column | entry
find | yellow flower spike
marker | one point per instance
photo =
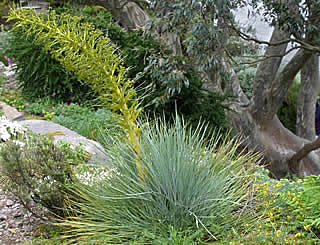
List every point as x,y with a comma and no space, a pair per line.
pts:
98,65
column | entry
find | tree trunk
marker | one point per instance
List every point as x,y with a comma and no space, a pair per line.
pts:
307,99
132,16
256,120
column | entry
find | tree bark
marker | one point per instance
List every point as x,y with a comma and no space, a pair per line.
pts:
294,161
132,16
265,75
307,99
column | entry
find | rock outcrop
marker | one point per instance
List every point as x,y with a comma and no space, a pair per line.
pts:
59,133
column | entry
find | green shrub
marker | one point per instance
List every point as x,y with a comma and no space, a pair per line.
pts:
13,98
290,210
35,169
195,103
39,75
288,111
305,205
246,77
198,192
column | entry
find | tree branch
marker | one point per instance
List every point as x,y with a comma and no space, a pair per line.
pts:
304,44
294,161
265,57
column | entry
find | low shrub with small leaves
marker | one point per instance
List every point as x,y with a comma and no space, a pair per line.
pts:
35,169
10,130
290,210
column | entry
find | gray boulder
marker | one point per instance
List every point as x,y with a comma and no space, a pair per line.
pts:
10,112
59,133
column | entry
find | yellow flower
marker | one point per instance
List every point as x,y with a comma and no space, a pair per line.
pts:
306,227
298,235
278,184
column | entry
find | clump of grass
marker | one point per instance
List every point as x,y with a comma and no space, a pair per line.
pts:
192,185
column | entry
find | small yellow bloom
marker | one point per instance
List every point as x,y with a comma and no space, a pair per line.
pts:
306,227
298,235
278,184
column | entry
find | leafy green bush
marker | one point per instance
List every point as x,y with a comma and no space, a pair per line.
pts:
195,103
12,97
194,191
306,204
288,111
38,74
246,77
35,169
45,106
290,210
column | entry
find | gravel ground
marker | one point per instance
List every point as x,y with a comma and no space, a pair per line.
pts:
16,223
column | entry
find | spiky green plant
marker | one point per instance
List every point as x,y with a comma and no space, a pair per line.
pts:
191,183
89,54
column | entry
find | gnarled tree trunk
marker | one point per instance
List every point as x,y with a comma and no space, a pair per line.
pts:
256,119
306,104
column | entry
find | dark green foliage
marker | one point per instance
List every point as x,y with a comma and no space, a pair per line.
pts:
38,170
246,77
39,75
195,103
291,207
288,111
